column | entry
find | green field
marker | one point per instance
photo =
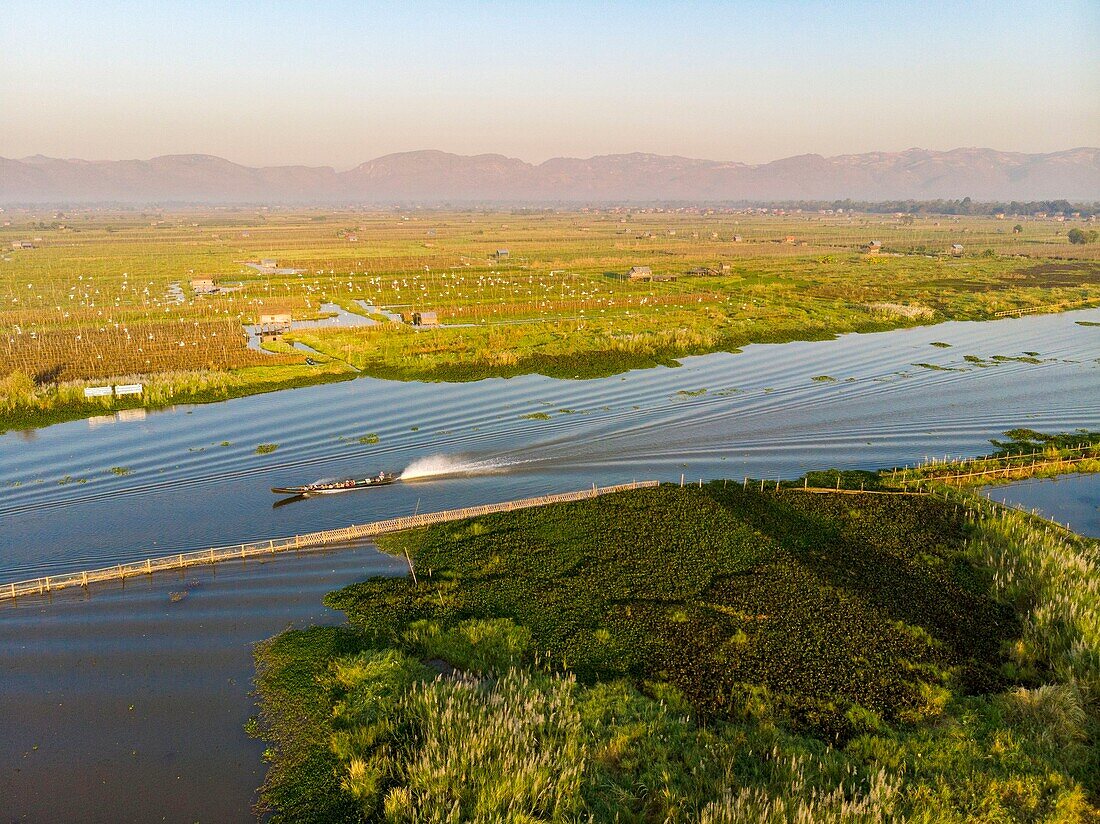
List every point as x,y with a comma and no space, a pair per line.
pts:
107,296
715,654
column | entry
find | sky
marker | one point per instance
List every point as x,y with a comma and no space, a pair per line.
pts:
338,83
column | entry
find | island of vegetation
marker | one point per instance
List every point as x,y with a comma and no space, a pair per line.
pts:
192,307
727,652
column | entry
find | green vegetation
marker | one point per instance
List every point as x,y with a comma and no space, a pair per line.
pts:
24,405
1024,454
369,438
266,448
121,470
715,654
536,416
106,297
1082,236
935,367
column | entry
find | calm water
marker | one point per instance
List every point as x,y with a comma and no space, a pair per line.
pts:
1072,499
72,668
130,705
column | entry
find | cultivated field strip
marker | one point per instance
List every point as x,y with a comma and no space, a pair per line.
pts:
49,583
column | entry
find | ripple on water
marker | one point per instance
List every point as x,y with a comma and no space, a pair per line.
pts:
761,414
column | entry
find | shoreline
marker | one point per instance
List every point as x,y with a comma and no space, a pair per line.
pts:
580,366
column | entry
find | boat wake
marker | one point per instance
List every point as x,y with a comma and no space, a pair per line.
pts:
441,466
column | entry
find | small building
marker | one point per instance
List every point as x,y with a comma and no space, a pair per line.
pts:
873,248
274,318
425,319
644,274
22,244
269,263
789,239
737,238
204,286
501,254
273,324
956,249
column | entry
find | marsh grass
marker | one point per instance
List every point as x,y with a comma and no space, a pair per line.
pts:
558,632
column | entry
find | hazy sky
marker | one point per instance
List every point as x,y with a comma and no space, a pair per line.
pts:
336,83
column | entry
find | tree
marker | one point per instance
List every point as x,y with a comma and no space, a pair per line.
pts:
1080,237
1017,229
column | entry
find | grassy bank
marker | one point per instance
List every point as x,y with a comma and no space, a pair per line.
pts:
25,406
1024,453
713,654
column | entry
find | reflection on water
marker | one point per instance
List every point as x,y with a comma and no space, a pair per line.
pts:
130,705
1069,499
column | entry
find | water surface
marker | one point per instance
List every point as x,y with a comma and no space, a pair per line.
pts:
189,478
130,704
1067,499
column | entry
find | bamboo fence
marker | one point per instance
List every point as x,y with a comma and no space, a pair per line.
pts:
45,584
1050,307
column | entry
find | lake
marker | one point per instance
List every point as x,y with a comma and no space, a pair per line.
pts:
90,493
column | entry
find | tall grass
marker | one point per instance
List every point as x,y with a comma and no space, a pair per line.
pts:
1053,577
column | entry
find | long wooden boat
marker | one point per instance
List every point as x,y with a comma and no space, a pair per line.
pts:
333,487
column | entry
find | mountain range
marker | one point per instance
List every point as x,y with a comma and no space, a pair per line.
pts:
435,177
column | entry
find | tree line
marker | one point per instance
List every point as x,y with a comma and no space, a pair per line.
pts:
965,206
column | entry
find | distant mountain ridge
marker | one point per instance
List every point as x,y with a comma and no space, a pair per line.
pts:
440,177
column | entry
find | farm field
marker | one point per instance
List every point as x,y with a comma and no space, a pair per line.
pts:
713,653
118,296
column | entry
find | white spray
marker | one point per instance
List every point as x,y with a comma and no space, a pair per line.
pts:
436,466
